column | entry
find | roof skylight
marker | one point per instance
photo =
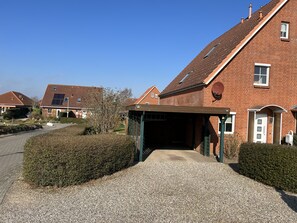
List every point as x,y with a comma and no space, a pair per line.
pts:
185,77
209,52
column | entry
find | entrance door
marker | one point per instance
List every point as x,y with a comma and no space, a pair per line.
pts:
260,128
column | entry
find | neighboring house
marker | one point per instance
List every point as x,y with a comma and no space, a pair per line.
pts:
251,69
66,98
14,99
149,97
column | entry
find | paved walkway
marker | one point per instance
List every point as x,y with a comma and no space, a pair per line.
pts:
164,190
11,155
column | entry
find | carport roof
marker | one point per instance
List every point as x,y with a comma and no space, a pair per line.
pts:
180,109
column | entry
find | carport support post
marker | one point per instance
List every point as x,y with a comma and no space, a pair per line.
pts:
141,137
206,137
223,120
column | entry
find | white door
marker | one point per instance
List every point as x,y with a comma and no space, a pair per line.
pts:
260,131
58,113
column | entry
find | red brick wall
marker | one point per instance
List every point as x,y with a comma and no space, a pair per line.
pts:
240,93
149,98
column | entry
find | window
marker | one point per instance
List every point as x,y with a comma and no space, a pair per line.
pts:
185,77
49,111
229,124
152,94
284,30
261,74
209,52
79,100
58,99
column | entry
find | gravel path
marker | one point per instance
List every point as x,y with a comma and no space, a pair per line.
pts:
169,191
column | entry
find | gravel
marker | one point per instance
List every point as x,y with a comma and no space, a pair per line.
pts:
154,191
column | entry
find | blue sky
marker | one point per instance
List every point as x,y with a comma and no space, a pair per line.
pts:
109,43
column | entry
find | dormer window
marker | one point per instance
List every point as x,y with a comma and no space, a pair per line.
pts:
284,30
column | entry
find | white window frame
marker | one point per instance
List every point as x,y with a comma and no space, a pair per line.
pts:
286,32
268,66
233,115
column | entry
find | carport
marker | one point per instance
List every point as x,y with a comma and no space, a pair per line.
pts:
153,125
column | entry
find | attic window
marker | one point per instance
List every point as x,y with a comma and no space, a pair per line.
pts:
209,52
185,77
79,100
284,30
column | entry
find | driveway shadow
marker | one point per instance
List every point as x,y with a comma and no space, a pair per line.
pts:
290,200
234,167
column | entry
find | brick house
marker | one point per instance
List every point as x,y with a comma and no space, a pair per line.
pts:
13,99
149,97
250,69
66,98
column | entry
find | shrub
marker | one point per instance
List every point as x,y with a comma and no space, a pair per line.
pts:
72,120
65,157
231,146
15,113
274,165
18,128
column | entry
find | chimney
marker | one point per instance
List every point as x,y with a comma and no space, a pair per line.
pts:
242,20
250,10
260,14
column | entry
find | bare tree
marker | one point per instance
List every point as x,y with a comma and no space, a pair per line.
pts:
35,101
105,107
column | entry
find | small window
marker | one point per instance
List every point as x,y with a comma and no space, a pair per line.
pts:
185,77
209,52
79,100
49,111
229,124
152,95
147,103
261,74
284,30
156,96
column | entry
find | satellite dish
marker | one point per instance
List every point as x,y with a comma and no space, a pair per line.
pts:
217,90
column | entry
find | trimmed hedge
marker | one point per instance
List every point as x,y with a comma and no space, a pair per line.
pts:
274,165
18,128
72,120
64,157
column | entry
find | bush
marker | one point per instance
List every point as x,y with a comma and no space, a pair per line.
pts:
274,165
231,146
15,113
65,157
18,128
72,120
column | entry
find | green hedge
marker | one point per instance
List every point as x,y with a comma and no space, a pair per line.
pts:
18,128
64,157
72,120
274,165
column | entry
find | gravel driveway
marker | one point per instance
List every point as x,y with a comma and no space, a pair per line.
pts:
166,190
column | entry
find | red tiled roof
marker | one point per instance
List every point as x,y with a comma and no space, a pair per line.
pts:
220,51
138,101
130,101
14,98
76,95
